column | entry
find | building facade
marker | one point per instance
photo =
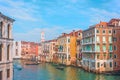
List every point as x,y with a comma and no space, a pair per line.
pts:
16,49
6,39
97,48
53,44
6,71
29,50
75,47
44,56
6,46
115,23
63,49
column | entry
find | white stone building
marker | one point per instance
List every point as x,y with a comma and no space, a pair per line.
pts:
16,49
6,71
6,39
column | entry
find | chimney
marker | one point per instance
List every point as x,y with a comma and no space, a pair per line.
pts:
73,32
63,34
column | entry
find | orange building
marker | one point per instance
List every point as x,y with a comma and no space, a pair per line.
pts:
75,37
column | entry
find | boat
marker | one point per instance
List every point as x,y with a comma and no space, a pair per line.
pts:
39,62
18,67
60,67
31,63
55,64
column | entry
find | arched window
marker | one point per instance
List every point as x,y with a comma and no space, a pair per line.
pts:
8,31
8,52
1,26
0,52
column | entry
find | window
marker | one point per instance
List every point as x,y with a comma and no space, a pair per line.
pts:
98,39
16,52
68,40
115,48
110,64
16,43
110,55
104,39
110,32
110,39
8,52
114,39
98,64
79,34
104,56
115,64
104,48
98,56
0,75
104,64
0,52
103,31
114,31
110,47
8,73
97,31
115,56
102,26
8,31
98,48
1,26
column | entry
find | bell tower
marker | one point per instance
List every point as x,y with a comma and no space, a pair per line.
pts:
42,36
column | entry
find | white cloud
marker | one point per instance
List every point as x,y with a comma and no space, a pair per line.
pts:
19,10
98,15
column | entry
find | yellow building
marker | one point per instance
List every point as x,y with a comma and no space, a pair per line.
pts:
73,49
64,49
67,48
75,37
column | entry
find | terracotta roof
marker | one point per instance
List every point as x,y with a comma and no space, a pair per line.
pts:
103,24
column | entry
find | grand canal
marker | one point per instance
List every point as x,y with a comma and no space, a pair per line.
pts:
46,71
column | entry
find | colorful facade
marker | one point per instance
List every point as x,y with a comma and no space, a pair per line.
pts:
64,49
115,23
29,50
75,47
97,48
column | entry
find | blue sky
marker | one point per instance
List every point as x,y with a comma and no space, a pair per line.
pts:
56,16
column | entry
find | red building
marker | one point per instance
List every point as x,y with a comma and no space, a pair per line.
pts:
29,50
115,23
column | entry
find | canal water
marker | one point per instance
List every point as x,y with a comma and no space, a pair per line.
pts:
46,71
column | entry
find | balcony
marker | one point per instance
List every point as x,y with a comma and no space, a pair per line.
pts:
85,51
6,39
87,43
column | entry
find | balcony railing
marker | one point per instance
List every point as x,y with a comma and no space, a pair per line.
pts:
88,43
88,51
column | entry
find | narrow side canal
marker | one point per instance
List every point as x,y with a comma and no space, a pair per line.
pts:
46,71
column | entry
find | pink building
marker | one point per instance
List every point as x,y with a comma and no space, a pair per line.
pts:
29,50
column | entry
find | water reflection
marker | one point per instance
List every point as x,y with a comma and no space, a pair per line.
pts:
6,71
46,71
